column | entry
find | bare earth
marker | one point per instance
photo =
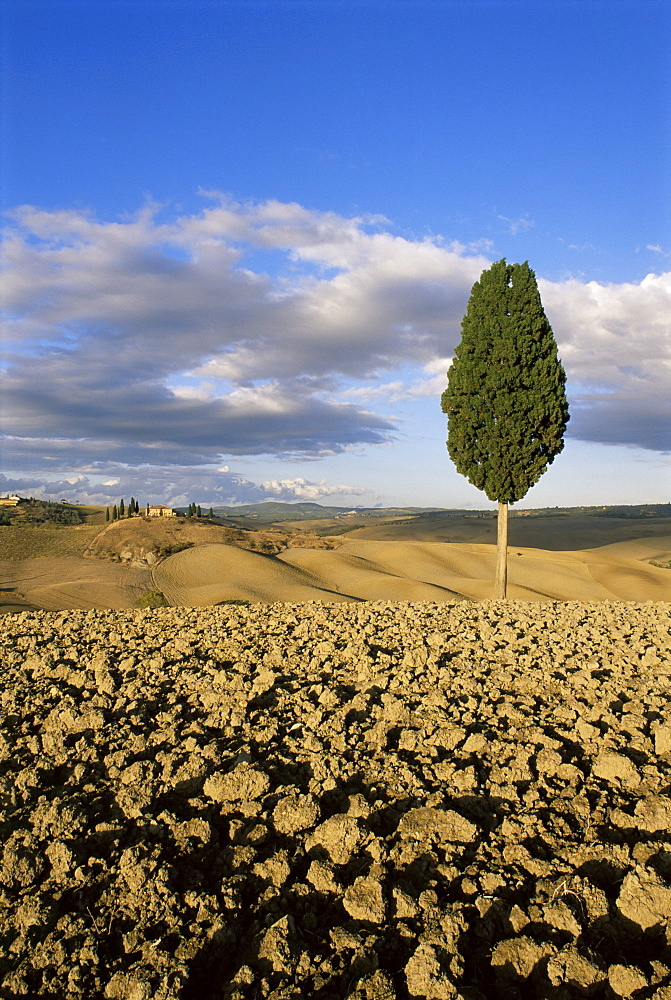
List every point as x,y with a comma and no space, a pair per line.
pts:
53,584
379,801
413,571
432,558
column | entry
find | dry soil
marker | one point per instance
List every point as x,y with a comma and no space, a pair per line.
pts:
377,570
373,801
443,559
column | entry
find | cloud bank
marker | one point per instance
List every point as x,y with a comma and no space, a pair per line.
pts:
178,486
163,347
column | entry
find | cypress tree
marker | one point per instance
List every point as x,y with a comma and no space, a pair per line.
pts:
107,513
122,508
211,514
505,399
115,513
131,506
199,512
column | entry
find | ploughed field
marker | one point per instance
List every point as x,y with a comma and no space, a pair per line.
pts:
373,801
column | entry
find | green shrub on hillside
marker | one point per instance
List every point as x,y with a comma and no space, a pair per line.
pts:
169,548
43,512
152,599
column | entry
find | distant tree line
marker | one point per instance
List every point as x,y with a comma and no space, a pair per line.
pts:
195,510
121,510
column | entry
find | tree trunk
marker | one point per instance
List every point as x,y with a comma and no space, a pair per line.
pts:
501,554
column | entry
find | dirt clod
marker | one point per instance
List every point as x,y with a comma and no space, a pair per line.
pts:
625,980
645,899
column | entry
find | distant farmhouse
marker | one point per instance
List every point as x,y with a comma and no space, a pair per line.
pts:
160,510
9,501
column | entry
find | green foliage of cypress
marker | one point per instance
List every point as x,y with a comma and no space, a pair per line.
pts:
107,513
122,508
115,512
505,399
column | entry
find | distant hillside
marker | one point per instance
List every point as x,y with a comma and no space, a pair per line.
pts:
272,510
620,510
28,510
32,511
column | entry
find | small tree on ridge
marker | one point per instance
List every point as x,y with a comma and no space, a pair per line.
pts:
505,399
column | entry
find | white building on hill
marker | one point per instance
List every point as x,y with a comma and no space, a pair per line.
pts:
160,510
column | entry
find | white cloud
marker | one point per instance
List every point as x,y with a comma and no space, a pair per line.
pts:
656,248
519,225
416,388
584,248
615,344
436,383
180,486
304,489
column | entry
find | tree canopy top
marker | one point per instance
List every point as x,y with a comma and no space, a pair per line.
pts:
505,398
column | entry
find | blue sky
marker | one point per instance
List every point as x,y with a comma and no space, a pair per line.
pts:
240,238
